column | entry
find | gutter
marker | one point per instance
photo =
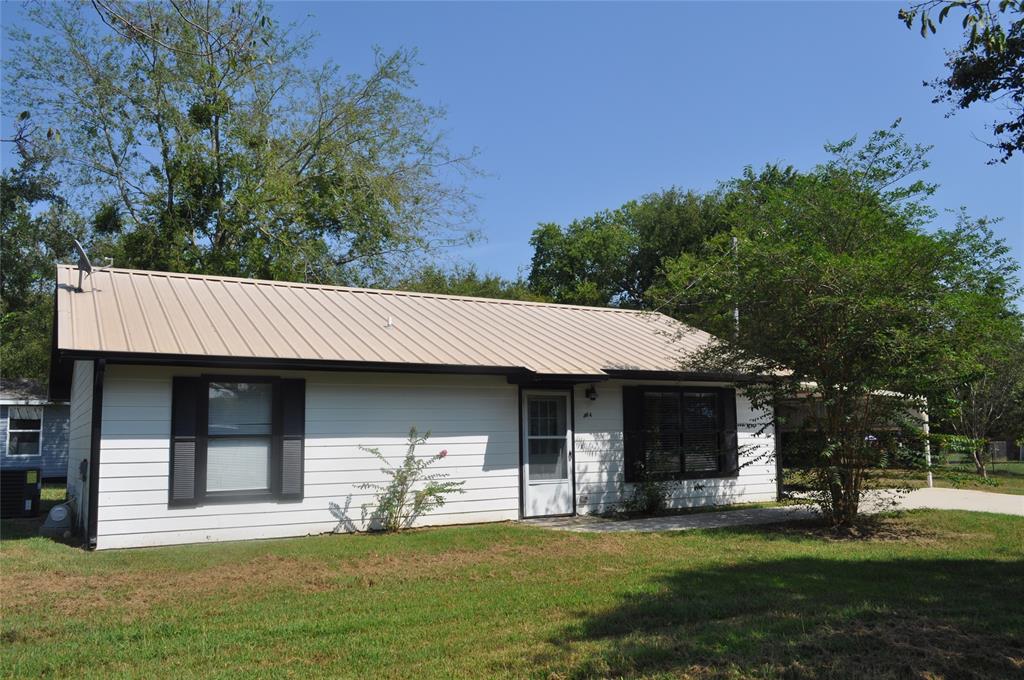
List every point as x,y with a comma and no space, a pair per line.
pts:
99,368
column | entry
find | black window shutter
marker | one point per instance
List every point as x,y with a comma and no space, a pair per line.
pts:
293,435
185,442
632,432
730,441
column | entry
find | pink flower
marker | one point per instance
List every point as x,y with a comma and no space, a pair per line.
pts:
444,452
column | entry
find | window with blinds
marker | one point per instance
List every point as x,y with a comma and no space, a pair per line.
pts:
236,439
679,433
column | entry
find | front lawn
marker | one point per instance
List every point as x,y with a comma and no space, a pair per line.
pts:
929,594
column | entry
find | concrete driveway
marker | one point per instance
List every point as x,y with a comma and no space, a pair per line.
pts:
940,499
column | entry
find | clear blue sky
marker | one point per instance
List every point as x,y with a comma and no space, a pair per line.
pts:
577,107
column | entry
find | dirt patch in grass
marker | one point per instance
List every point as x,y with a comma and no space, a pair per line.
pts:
136,592
868,528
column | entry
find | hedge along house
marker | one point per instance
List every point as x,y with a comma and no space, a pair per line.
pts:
210,408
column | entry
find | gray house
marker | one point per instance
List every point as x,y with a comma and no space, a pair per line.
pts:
33,429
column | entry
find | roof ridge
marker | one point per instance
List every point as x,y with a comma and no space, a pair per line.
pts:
372,291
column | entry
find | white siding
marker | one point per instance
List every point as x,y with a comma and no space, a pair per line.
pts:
79,437
599,457
474,417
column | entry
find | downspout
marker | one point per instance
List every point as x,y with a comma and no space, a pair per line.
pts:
99,366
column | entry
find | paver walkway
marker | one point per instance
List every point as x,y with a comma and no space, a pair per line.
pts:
942,499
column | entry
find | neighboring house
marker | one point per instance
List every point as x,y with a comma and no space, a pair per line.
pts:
210,408
1004,449
33,429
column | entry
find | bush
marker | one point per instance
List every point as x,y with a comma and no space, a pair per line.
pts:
411,492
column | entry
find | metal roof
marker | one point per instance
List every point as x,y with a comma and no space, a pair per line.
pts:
124,311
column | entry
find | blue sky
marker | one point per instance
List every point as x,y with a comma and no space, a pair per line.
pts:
578,107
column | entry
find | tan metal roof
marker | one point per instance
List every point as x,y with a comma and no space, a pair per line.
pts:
123,311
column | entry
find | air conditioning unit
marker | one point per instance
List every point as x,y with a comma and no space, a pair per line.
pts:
19,492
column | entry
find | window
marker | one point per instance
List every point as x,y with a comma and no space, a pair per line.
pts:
239,429
236,439
679,433
24,430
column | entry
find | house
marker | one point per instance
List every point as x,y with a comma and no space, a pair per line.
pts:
211,408
33,429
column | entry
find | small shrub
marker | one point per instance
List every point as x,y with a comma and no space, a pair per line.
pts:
649,495
411,491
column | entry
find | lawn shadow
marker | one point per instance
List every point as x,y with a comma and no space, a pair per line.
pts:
808,618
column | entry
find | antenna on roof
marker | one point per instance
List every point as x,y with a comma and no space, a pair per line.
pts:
84,266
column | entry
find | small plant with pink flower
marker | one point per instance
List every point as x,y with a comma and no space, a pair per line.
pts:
411,490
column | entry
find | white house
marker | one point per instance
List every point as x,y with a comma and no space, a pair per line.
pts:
213,408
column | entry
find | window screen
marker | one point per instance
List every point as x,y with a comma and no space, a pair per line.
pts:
240,424
24,430
663,433
678,433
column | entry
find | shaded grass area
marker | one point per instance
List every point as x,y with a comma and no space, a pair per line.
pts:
927,594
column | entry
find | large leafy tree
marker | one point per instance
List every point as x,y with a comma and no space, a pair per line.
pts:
843,297
196,139
466,280
614,257
37,229
987,334
988,67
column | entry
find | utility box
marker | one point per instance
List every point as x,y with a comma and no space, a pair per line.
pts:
19,492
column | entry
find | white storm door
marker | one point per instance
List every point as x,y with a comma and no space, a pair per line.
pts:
547,454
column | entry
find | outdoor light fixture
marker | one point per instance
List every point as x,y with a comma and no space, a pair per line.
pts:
591,393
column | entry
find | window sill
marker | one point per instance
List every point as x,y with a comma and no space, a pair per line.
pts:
241,498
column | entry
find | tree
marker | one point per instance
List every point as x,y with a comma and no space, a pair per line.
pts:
988,67
843,298
987,332
614,257
465,280
195,139
37,228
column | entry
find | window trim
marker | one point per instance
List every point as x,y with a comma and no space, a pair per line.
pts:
723,393
7,445
273,492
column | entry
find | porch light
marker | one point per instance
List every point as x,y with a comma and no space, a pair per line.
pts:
591,393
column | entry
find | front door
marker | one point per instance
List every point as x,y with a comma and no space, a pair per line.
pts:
547,454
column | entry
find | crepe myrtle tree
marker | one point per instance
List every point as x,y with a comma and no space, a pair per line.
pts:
844,301
411,490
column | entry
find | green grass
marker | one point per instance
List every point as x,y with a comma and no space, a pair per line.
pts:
926,593
1006,477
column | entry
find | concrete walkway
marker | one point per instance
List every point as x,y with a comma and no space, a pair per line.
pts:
941,499
963,499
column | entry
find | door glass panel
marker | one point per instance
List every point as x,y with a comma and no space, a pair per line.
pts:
548,459
546,416
546,438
